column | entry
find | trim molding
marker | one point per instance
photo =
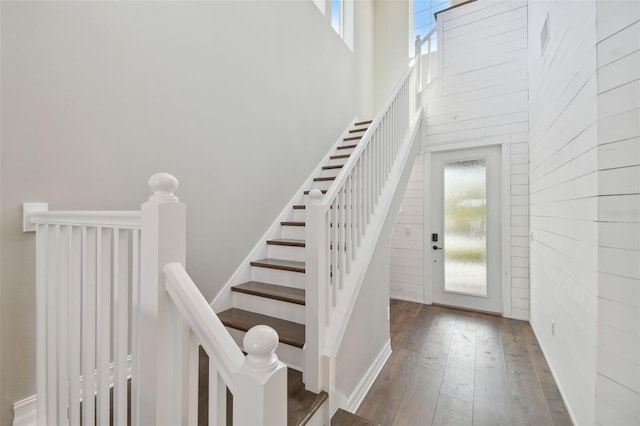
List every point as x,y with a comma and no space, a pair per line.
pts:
25,412
362,388
555,376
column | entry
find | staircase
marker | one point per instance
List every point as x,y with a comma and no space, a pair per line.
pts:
288,306
276,295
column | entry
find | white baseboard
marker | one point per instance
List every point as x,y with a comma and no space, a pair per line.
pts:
555,376
25,412
362,388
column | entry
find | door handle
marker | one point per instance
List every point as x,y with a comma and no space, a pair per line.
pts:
437,248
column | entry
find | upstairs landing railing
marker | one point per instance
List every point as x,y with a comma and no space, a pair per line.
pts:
115,308
341,226
426,54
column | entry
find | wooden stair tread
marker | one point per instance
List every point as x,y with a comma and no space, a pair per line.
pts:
345,418
347,146
292,223
287,242
272,291
324,178
339,156
362,123
364,129
299,207
281,264
334,166
352,138
290,333
324,191
302,404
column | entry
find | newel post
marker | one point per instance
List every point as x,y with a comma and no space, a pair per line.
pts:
317,282
418,58
260,396
163,241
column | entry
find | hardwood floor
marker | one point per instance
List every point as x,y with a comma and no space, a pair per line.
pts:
451,367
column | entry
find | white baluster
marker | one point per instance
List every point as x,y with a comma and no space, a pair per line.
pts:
103,324
121,323
52,332
88,324
261,384
42,236
75,309
418,58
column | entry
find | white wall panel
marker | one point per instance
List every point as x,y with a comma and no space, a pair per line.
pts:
618,366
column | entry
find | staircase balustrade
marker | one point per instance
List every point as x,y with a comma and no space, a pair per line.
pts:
115,307
427,58
340,226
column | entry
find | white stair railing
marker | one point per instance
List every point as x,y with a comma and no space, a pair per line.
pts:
114,304
426,54
87,266
343,225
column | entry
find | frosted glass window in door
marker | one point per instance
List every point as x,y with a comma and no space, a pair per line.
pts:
465,224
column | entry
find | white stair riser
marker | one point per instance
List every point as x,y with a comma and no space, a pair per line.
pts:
286,252
299,215
275,276
288,354
273,308
292,232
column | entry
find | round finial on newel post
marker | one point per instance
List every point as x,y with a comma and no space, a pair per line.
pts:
260,342
164,186
315,195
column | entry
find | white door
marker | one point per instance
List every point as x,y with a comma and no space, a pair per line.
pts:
465,229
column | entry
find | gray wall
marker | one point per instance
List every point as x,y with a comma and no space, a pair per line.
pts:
97,96
391,44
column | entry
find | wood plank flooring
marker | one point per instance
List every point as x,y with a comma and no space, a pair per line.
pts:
451,367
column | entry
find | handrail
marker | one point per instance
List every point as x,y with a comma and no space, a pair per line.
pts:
345,171
343,225
208,328
419,43
427,36
129,219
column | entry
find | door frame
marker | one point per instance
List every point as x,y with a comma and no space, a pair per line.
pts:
505,212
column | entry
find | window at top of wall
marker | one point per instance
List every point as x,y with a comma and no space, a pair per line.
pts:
423,19
342,19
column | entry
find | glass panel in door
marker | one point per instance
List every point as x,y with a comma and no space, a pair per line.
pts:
465,227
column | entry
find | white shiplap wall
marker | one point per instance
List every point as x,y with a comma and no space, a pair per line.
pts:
618,326
481,99
564,196
407,240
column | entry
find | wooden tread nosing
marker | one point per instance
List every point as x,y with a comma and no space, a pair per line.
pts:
290,243
324,179
335,166
324,191
339,156
347,146
271,291
352,138
292,223
280,264
290,333
362,123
